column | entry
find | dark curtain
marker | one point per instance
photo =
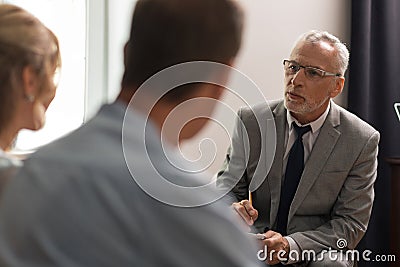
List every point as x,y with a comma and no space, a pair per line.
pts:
374,86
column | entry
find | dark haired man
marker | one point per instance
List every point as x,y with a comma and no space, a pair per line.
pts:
110,194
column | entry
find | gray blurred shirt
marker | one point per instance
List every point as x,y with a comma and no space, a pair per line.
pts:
8,168
74,203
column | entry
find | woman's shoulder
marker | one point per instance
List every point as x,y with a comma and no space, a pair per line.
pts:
7,162
8,168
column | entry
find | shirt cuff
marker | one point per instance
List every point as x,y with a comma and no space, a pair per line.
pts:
292,247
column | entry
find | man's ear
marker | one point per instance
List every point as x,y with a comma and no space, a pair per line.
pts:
126,53
211,91
219,91
224,77
30,82
231,62
339,84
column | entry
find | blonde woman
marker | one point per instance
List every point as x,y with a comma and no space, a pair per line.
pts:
29,58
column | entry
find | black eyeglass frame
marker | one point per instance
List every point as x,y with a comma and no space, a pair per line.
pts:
324,72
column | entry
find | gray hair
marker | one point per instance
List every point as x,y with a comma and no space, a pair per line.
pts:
315,36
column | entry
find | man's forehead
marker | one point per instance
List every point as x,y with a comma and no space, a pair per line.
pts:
320,46
313,54
327,46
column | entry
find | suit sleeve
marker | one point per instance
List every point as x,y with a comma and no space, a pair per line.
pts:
351,212
233,175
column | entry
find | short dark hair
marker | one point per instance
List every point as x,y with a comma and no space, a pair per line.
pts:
169,32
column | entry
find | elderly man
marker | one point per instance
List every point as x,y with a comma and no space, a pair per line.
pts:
318,194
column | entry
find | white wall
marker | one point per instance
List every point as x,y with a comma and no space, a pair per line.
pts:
119,17
270,31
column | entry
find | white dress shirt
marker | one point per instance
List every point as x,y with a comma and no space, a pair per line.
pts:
309,139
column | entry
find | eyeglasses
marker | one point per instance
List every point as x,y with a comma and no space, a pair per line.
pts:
292,67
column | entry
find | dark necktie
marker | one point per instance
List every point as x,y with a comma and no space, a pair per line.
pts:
294,170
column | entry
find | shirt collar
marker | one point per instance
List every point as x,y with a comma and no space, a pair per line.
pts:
315,125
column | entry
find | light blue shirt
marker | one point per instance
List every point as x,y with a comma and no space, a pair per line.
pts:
74,203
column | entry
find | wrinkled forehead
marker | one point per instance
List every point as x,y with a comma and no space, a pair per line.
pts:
319,54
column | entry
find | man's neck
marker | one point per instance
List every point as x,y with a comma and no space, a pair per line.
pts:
157,112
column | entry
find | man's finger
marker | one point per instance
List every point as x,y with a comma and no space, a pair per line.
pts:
250,209
241,210
270,234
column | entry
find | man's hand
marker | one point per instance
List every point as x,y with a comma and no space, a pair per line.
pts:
246,211
277,247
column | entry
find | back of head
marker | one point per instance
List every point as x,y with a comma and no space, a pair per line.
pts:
165,33
24,41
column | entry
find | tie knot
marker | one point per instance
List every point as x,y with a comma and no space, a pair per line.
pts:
301,130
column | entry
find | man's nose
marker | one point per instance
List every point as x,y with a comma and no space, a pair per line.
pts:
298,77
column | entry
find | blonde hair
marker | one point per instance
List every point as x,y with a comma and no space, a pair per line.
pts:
24,41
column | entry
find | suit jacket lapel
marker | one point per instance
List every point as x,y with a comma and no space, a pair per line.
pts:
275,174
322,149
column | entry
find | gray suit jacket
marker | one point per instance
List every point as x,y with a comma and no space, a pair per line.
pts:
335,195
